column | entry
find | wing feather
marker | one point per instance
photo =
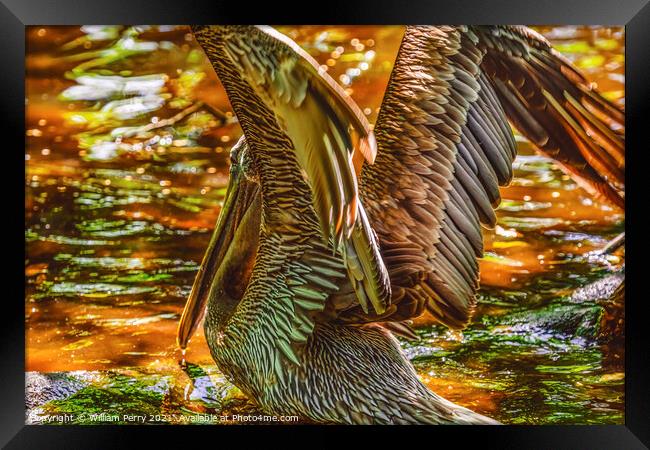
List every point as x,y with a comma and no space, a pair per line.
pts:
306,176
445,146
555,107
442,152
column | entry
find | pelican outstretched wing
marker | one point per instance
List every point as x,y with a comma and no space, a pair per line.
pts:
324,127
302,130
445,146
554,105
324,124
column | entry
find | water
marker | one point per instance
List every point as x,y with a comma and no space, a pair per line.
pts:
128,132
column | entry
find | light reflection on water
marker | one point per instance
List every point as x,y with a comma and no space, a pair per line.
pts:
128,132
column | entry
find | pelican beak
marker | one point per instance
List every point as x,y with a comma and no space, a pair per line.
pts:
240,195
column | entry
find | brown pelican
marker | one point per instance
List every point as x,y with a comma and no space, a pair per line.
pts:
309,272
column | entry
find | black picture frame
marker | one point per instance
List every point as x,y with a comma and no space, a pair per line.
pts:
634,14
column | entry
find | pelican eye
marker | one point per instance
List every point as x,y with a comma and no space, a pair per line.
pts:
233,156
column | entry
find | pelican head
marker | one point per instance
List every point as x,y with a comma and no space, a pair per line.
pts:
228,262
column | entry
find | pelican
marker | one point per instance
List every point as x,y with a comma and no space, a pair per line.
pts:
318,258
